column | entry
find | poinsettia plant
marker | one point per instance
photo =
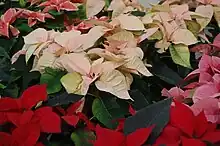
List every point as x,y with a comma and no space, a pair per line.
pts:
109,72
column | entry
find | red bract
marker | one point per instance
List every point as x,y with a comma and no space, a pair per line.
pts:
58,5
6,20
131,110
33,95
28,99
72,116
33,17
22,136
189,129
29,123
107,137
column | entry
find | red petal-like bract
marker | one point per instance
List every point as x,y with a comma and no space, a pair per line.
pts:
26,135
3,118
7,104
212,137
83,117
73,107
138,137
201,124
26,117
71,120
49,121
170,135
33,95
192,142
121,123
5,139
14,117
131,110
39,144
107,137
182,117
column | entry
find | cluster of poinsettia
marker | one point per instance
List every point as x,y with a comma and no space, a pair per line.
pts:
109,67
10,16
29,119
204,92
184,128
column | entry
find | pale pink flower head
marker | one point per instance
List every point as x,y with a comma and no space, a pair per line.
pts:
175,92
6,20
58,5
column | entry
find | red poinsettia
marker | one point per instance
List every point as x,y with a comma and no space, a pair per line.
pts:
187,129
33,17
58,5
29,123
72,116
6,20
136,138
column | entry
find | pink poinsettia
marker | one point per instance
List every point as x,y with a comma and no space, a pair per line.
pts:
6,20
208,48
33,17
175,92
58,5
208,66
82,25
34,1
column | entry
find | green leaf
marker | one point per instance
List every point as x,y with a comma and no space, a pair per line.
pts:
55,13
3,53
2,86
138,13
7,44
166,74
157,114
11,91
107,111
107,3
22,3
23,27
52,79
63,99
83,138
180,55
28,77
140,101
